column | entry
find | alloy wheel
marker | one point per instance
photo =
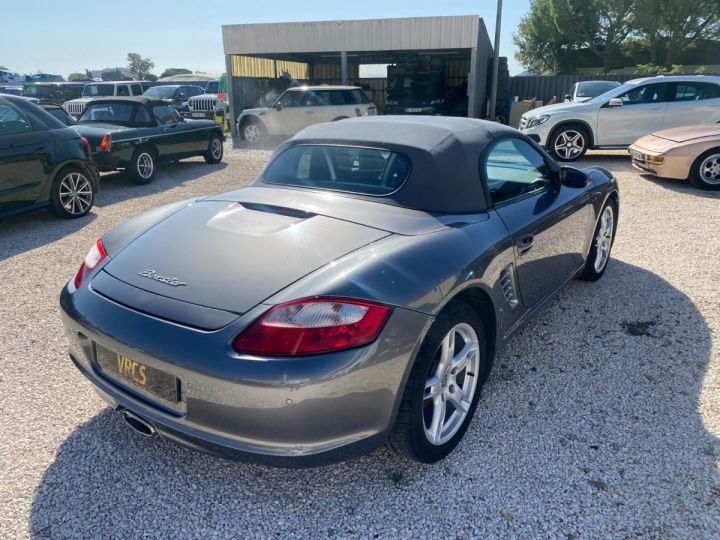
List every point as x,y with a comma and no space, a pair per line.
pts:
451,385
252,133
145,165
75,193
710,169
604,238
216,148
569,144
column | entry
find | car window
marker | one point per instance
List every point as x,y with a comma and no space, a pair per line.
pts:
164,114
13,120
123,90
359,97
694,91
212,87
649,93
137,90
290,99
308,99
142,116
513,168
95,90
109,113
368,171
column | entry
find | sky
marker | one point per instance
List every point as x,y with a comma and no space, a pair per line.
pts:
64,37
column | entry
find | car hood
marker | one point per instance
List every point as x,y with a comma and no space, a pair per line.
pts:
559,108
231,256
689,133
257,110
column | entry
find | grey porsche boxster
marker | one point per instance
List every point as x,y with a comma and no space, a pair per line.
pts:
355,293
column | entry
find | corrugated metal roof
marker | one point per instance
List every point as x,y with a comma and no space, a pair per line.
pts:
456,32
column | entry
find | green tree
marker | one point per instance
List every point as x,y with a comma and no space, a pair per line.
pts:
140,67
115,75
169,72
540,46
76,77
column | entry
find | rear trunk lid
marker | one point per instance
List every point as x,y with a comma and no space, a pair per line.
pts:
229,256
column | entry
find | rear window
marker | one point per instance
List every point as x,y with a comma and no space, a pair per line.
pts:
368,171
110,113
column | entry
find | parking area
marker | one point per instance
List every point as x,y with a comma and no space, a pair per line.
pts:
601,419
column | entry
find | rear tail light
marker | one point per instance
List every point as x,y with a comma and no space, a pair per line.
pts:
94,257
106,143
86,146
313,326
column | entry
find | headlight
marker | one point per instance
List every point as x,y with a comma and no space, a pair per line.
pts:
537,120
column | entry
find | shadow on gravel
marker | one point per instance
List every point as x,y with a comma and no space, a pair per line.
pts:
588,426
117,187
269,143
25,232
681,186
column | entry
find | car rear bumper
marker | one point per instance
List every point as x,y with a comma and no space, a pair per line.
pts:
292,412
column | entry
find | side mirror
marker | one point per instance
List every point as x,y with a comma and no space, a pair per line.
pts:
573,178
615,102
567,97
278,106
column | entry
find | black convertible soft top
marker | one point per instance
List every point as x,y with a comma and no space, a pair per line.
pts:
445,153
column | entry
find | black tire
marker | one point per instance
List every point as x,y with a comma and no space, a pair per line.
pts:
705,171
591,272
69,197
214,153
408,437
566,135
253,132
143,165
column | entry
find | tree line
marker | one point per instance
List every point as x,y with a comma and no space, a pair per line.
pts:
558,36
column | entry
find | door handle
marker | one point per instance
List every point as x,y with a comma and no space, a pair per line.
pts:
525,244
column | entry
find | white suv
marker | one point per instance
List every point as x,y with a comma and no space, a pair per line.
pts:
303,106
75,107
618,117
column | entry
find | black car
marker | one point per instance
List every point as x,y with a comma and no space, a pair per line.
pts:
55,93
59,113
177,94
43,163
135,133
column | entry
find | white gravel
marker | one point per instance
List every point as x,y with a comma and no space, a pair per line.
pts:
600,420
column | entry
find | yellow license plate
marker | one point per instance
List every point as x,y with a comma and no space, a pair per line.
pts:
130,369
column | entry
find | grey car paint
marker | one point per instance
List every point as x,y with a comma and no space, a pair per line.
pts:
236,255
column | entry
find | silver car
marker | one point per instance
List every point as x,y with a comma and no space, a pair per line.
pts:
354,293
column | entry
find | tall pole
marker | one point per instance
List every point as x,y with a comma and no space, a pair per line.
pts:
496,62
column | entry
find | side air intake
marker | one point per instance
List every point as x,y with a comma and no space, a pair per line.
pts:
507,282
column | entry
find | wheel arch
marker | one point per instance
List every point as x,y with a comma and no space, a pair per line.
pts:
481,301
73,162
244,120
569,123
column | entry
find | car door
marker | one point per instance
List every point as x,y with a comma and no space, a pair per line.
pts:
642,112
172,140
286,119
25,155
692,102
548,222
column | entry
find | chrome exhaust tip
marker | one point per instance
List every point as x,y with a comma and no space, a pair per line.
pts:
142,426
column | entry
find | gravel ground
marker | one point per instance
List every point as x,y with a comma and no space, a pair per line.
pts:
600,420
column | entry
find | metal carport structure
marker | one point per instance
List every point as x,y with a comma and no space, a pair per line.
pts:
332,51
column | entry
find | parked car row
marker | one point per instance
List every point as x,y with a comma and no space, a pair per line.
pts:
670,121
48,159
